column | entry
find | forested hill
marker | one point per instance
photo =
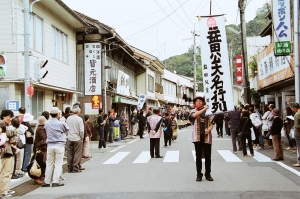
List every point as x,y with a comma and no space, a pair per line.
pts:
183,64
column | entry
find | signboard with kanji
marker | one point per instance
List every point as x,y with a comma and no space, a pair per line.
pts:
282,27
215,65
239,69
92,65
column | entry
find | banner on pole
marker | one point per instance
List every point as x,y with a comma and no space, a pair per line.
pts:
239,69
215,64
141,101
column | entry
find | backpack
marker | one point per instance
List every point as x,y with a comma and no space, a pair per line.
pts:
95,123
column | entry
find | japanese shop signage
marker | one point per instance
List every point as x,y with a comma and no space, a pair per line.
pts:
273,69
95,102
282,27
92,65
123,83
239,69
215,64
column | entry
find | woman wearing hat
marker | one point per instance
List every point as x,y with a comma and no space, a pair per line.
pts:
201,136
276,135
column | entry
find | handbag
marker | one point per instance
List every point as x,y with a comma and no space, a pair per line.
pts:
265,127
282,131
292,133
241,133
35,169
28,134
20,144
252,134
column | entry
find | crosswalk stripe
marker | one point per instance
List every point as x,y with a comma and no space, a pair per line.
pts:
144,157
171,156
194,156
260,157
229,156
116,158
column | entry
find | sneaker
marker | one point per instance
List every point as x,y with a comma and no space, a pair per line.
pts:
14,176
289,148
104,149
235,152
11,191
259,148
294,148
6,195
296,165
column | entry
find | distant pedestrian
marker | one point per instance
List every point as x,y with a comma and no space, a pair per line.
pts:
142,124
167,124
86,145
155,132
245,125
218,120
234,121
133,121
106,128
112,119
123,125
75,138
100,129
29,140
276,135
56,141
288,124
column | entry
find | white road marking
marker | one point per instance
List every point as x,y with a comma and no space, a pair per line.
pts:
289,168
171,156
144,157
229,156
194,156
116,158
132,141
117,148
260,157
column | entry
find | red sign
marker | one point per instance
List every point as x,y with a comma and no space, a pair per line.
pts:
95,101
239,69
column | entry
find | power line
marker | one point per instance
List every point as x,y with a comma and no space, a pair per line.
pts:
154,23
178,15
185,13
142,17
167,14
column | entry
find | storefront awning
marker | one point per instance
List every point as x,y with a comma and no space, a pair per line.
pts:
56,88
119,99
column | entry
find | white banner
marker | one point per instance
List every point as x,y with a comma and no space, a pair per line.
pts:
123,84
141,101
215,65
92,66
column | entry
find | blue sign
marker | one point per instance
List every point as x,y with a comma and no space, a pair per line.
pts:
13,105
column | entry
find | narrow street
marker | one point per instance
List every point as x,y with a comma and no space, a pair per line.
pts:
125,170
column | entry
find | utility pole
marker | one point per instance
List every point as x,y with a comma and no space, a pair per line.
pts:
195,63
242,6
26,56
296,50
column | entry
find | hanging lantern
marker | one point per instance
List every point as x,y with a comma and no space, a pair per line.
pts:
30,91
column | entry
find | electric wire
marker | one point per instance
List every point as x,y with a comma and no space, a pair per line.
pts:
154,23
167,14
178,15
142,17
185,13
197,7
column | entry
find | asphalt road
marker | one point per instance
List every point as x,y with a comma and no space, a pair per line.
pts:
125,170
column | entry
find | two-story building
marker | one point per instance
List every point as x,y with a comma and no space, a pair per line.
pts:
53,28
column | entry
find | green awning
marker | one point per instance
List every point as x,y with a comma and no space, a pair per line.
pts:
118,99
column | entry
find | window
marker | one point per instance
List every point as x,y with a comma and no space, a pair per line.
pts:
150,83
37,103
36,33
59,45
157,78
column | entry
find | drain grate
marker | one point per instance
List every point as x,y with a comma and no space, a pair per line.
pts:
29,185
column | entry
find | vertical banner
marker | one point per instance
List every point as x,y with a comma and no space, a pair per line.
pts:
92,66
123,83
239,69
282,27
215,64
141,101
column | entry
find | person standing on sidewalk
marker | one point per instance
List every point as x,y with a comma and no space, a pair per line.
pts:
296,108
102,123
112,119
56,142
75,140
276,135
218,120
29,140
123,125
201,136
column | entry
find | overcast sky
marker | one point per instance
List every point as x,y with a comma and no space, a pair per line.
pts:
160,27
